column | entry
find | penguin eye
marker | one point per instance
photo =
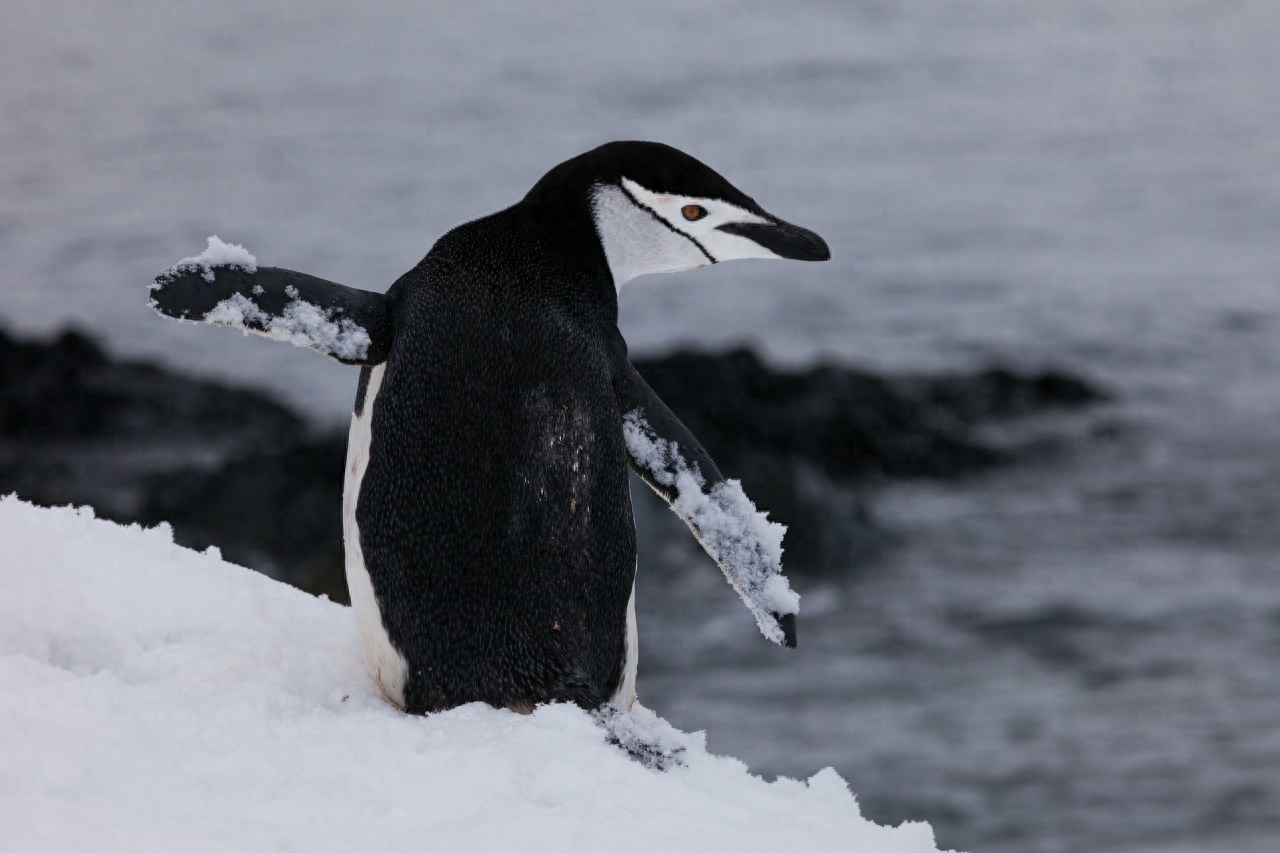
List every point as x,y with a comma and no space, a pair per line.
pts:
693,212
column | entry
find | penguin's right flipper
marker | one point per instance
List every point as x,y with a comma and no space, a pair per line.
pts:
350,325
742,541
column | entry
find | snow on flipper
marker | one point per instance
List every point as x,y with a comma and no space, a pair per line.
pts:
224,286
217,255
644,736
741,539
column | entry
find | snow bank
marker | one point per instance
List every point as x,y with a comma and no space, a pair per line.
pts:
157,699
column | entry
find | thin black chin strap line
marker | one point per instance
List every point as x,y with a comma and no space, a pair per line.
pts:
649,210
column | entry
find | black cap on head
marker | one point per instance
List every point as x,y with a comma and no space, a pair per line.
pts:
676,190
655,166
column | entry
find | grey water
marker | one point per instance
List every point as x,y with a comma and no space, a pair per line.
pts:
1076,654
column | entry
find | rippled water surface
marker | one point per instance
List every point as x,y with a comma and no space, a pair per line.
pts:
1081,653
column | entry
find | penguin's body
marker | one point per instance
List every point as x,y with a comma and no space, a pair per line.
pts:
495,496
490,545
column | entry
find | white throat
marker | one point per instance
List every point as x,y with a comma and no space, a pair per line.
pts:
643,231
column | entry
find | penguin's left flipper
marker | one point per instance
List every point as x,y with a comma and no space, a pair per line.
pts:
350,325
742,541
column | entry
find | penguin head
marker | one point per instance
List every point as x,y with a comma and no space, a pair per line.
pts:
656,209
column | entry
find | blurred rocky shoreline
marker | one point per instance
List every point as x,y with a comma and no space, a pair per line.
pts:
232,467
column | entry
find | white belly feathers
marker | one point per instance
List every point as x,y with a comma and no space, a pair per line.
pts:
385,662
625,696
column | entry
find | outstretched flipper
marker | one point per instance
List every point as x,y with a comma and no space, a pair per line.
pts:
225,286
742,541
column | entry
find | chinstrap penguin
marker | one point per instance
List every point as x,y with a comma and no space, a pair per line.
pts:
490,547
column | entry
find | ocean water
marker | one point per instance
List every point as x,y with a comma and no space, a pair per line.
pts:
1081,653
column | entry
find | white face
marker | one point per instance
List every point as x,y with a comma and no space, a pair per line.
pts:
647,232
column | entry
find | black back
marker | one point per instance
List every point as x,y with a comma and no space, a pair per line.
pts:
494,514
654,166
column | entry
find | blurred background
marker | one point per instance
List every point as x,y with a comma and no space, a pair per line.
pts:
1023,425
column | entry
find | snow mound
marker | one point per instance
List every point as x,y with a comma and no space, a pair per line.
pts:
154,699
216,254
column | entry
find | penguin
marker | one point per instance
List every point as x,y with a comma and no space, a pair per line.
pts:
490,546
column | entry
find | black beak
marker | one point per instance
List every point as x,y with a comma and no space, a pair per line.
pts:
782,238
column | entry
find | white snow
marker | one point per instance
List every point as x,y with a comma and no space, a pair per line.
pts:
156,699
741,539
302,324
217,254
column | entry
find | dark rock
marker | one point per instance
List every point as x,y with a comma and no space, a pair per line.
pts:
232,468
846,422
70,390
800,441
1001,393
280,512
79,426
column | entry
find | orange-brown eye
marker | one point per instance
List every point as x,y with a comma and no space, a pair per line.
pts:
693,212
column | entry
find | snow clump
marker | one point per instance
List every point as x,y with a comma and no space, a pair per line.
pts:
302,324
216,255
